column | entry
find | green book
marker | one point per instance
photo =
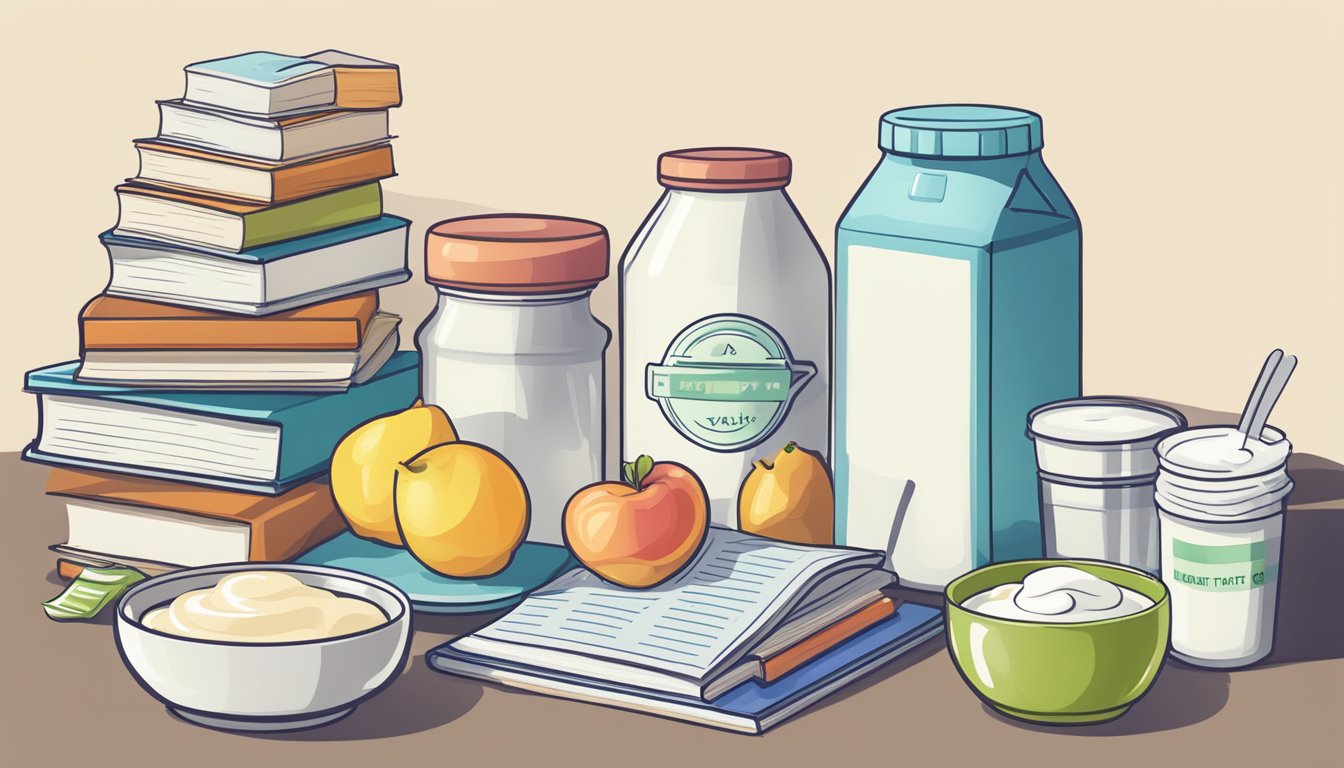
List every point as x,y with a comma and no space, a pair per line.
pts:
230,225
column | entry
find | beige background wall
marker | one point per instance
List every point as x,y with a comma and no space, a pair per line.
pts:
1201,142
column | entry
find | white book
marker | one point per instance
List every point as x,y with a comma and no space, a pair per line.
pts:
156,535
698,634
246,370
261,82
265,138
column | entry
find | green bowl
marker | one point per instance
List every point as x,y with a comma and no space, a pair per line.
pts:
1087,672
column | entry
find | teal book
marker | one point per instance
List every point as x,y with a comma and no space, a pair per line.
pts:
258,442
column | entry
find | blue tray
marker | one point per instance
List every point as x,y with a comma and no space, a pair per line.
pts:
533,565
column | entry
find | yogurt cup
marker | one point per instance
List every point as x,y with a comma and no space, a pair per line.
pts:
1220,503
1111,521
1100,438
1097,468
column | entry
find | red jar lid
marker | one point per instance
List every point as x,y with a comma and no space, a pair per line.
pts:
516,253
724,169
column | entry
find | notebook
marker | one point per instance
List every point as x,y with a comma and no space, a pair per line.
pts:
700,633
251,441
752,707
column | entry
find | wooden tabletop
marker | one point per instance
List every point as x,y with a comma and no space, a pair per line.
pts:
69,701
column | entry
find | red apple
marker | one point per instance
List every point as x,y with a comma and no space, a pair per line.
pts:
641,532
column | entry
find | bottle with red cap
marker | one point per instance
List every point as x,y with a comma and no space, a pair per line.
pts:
725,321
513,353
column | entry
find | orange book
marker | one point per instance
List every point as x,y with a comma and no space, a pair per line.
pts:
362,83
782,662
199,171
109,322
180,524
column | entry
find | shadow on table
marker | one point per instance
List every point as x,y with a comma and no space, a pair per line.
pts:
1310,616
419,700
1181,696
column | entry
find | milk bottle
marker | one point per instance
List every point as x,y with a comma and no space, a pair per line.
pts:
957,311
725,322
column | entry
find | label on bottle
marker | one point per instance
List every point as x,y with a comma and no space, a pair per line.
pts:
1225,568
726,382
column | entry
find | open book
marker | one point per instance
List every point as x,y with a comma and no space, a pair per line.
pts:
699,634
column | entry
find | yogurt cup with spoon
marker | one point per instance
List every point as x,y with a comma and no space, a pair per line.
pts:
1221,493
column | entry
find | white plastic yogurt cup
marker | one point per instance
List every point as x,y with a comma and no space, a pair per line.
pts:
1111,521
1097,466
1100,438
1220,506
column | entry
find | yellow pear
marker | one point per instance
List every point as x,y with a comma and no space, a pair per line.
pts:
364,466
462,509
790,498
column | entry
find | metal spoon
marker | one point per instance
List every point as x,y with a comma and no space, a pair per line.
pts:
1265,394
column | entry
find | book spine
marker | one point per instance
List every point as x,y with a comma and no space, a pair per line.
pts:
305,179
252,334
284,533
315,214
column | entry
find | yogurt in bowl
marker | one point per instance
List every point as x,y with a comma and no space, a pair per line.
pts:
1060,594
263,646
1058,641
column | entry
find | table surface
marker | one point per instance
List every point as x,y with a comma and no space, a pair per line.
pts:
68,699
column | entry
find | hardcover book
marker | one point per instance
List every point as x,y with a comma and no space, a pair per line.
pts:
123,517
266,138
252,441
213,174
230,225
261,281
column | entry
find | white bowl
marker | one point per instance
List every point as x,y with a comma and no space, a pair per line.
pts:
264,686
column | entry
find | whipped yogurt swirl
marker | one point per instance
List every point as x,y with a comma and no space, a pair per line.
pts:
263,607
1058,594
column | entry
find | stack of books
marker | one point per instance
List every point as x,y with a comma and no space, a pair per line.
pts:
240,335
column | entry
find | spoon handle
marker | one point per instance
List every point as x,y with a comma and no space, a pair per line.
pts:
1258,392
1271,396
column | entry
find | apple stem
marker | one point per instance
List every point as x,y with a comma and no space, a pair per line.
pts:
635,471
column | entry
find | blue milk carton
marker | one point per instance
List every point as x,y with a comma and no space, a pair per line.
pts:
958,309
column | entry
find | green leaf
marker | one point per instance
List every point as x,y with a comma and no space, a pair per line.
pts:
643,466
635,471
92,591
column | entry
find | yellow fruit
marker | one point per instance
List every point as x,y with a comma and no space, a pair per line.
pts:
461,508
365,463
790,498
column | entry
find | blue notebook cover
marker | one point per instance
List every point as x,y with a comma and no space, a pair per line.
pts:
261,67
311,423
274,251
753,701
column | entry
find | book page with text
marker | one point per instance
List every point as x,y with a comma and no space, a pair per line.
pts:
737,587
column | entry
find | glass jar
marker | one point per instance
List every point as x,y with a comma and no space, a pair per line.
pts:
725,322
513,353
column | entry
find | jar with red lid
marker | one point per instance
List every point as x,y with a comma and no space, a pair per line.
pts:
513,353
